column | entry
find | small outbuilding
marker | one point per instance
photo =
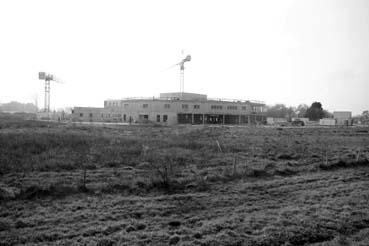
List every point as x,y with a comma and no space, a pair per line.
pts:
327,122
343,118
275,121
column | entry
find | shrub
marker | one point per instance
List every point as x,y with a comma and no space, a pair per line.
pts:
164,167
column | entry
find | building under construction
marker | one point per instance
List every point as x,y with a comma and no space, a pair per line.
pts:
174,108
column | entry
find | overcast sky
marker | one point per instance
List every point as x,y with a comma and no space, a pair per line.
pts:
289,52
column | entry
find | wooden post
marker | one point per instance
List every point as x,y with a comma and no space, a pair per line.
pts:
358,155
235,165
220,149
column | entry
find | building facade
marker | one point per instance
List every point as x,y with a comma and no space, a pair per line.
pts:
175,108
343,118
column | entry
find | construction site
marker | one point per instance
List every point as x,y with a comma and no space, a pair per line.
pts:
174,108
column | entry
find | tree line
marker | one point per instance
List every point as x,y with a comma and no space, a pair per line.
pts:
314,112
18,107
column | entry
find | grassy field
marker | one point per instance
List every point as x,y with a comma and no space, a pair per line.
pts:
71,184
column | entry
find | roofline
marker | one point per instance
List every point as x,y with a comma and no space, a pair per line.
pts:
255,102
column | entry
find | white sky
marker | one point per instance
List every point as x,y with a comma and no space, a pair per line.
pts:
287,52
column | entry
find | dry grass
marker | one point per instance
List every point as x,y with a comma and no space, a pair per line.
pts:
162,185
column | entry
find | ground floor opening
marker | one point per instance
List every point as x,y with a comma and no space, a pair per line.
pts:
219,119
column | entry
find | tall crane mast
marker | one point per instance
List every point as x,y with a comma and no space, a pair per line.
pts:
181,73
48,78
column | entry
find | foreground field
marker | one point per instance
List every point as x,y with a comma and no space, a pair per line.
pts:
141,185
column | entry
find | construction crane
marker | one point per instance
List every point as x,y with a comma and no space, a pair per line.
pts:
181,72
48,78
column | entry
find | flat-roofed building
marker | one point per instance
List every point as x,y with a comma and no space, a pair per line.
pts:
343,118
175,108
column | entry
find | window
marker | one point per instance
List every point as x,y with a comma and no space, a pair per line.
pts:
81,115
165,118
126,105
124,118
196,106
158,118
72,111
216,107
184,106
102,115
166,105
243,107
232,107
90,115
145,105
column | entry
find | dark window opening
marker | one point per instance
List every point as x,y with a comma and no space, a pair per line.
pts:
217,107
232,107
158,118
184,118
81,114
165,118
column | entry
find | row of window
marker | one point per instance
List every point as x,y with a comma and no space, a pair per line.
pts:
158,117
220,107
186,106
232,107
112,104
165,118
216,107
103,116
115,104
